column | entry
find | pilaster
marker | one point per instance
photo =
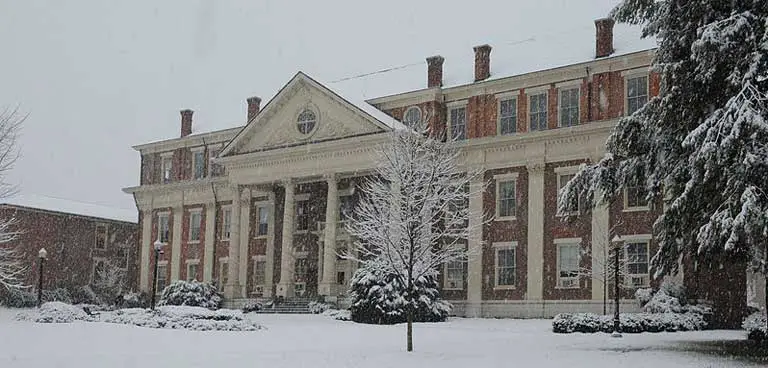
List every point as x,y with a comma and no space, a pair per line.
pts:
535,267
270,264
245,239
475,247
210,238
178,219
145,250
286,285
231,290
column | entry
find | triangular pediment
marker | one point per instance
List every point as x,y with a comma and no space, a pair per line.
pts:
277,125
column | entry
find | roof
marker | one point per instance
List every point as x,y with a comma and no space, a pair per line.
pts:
72,207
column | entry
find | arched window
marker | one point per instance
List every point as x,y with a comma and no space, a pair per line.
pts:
412,116
306,121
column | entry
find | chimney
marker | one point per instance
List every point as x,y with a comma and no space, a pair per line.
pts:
603,37
435,71
254,104
482,62
186,122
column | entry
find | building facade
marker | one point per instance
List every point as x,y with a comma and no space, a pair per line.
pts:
80,239
259,208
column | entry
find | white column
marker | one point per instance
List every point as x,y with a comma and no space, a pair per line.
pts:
245,240
475,244
601,239
210,238
535,269
329,248
269,273
178,219
146,249
231,290
286,284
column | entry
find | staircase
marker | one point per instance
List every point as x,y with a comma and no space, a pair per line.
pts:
288,306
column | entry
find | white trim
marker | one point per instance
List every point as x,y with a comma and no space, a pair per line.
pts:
162,263
197,149
166,154
449,122
503,246
259,205
569,242
645,276
411,108
567,170
301,197
636,72
529,96
259,257
568,84
627,208
457,103
635,237
559,106
537,90
167,215
315,111
192,261
504,178
508,94
223,259
198,276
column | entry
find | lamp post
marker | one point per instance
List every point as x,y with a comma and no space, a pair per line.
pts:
616,321
42,255
158,249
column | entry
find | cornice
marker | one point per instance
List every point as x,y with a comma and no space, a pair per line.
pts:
219,136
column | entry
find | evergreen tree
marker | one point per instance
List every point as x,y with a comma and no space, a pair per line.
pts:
701,144
382,299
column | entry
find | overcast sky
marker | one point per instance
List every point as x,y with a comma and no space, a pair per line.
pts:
98,76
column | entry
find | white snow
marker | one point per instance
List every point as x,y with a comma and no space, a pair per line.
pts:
67,206
319,341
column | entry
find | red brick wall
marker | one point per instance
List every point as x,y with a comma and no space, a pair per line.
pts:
70,242
192,250
506,231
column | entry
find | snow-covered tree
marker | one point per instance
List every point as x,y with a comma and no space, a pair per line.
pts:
108,281
380,299
413,214
12,269
603,266
700,145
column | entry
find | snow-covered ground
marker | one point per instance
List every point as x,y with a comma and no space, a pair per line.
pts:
318,341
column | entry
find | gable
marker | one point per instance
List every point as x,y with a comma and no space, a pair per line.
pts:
277,125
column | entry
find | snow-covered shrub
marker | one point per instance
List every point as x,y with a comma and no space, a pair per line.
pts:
15,298
184,317
135,300
643,296
629,322
55,312
252,306
57,295
674,288
339,314
85,295
318,307
661,302
755,324
381,300
191,293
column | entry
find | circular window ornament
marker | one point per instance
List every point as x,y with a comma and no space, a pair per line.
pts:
412,116
306,121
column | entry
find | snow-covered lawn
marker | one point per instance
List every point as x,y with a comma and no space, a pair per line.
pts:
319,341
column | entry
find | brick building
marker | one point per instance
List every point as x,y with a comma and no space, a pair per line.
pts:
79,238
255,207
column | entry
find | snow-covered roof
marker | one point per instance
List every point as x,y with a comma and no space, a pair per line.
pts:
42,202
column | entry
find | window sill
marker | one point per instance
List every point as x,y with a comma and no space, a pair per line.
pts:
636,209
224,240
453,289
505,218
301,231
567,214
257,237
506,287
567,288
193,242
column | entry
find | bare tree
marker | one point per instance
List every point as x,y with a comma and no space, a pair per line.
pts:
12,268
413,214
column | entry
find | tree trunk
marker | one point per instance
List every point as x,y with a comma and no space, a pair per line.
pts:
410,327
616,315
765,276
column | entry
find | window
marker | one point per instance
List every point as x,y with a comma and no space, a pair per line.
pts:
635,198
346,207
301,268
263,213
537,111
195,218
508,116
101,237
412,116
340,279
99,269
162,277
637,93
571,208
454,275
505,266
568,257
192,272
224,273
505,198
226,225
306,121
166,168
637,263
459,123
569,107
163,228
259,273
122,257
302,215
198,161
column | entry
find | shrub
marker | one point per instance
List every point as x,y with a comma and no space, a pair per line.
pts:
15,298
191,293
755,324
135,300
661,302
380,299
252,306
55,312
185,318
318,307
629,322
643,296
85,295
338,314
